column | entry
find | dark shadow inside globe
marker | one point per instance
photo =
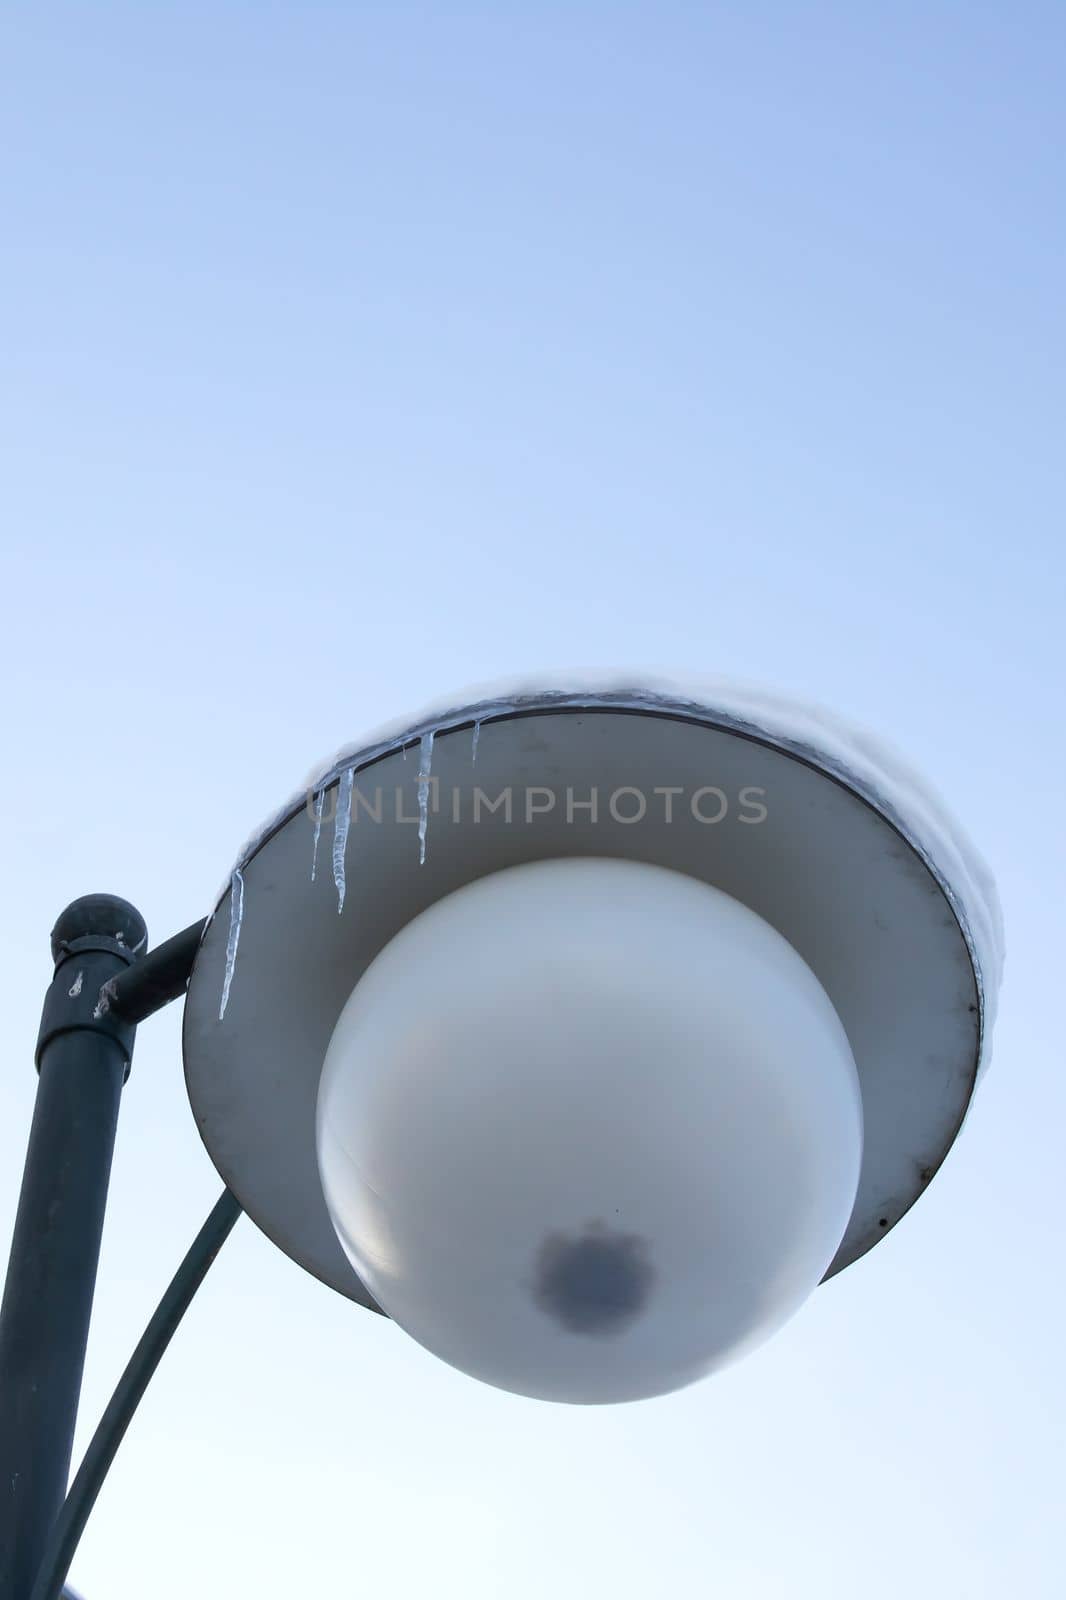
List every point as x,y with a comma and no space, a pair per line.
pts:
595,1283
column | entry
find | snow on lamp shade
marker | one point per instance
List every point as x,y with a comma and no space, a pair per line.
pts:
588,1129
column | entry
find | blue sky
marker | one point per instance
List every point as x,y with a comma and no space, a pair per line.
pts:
351,353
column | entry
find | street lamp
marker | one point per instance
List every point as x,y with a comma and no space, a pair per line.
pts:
581,1031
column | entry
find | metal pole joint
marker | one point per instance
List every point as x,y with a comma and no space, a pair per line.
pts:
93,941
77,1000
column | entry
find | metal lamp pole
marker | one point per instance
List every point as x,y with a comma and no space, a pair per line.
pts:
83,1058
104,985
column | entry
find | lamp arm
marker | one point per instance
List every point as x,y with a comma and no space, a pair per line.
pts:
156,979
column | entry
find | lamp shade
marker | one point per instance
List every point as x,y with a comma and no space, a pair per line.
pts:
488,847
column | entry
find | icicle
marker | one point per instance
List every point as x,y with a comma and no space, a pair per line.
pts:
236,917
340,833
473,743
425,763
320,800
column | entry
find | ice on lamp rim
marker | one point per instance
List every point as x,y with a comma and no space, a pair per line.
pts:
865,763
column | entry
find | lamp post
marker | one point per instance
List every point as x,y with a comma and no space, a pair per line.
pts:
44,1321
581,1032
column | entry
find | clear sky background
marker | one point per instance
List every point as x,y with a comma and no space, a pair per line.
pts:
354,352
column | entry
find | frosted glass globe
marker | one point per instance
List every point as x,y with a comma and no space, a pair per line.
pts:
588,1129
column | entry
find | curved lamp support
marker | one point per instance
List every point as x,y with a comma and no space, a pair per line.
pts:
68,1526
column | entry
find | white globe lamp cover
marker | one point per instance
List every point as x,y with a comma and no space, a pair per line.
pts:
589,1128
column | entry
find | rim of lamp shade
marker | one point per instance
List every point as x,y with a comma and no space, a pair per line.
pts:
853,861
